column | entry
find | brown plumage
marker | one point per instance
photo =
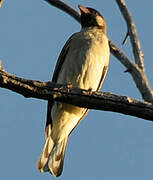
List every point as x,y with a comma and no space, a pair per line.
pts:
83,62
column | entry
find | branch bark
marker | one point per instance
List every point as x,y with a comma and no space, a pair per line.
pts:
75,96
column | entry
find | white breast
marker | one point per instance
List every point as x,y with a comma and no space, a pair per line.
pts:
85,60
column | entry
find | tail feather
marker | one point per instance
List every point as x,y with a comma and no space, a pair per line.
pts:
56,159
52,158
42,163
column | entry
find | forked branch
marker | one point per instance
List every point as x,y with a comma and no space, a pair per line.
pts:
138,73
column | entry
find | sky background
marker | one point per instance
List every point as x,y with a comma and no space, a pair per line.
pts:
105,145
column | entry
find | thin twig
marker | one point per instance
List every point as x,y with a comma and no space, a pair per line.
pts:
126,38
136,46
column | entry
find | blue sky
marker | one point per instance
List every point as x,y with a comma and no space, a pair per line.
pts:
105,145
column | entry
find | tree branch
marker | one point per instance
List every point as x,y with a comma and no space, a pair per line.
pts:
136,46
138,75
66,8
138,72
75,96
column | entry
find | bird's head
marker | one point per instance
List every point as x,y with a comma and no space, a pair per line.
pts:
91,17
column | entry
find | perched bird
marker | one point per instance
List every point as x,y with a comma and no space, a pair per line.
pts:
83,62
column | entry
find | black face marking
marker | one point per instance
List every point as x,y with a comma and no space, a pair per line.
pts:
94,12
90,19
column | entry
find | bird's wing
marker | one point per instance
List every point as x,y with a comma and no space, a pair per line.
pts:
104,72
61,59
59,64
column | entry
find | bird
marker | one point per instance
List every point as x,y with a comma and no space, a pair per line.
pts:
83,62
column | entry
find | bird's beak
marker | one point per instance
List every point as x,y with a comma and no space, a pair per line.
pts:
83,9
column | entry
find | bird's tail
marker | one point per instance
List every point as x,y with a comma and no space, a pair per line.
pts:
52,157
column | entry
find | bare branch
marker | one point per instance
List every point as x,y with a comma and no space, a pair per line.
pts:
137,74
75,96
138,54
122,57
66,8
